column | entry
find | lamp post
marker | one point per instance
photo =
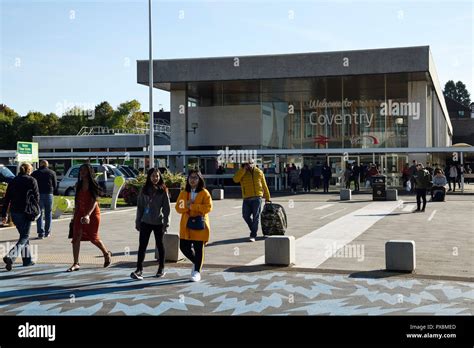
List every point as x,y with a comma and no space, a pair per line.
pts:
150,81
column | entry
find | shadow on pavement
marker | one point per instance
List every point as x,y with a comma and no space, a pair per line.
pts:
376,274
230,241
254,268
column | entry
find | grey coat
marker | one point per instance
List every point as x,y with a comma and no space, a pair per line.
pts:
158,209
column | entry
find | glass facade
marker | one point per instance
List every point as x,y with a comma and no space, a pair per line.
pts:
317,113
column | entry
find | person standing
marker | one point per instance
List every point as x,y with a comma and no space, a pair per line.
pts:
47,184
254,187
439,182
412,171
153,211
356,176
86,218
423,183
22,197
306,178
194,204
453,174
317,171
102,179
294,178
327,174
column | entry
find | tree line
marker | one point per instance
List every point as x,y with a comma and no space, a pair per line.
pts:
14,127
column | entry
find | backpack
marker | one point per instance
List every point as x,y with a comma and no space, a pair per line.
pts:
274,221
32,208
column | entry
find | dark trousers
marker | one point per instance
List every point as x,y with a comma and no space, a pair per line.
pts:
326,185
251,214
306,185
22,247
194,251
420,194
317,181
145,232
103,187
452,180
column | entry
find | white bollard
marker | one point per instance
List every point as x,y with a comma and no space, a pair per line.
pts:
217,194
280,250
345,195
119,181
391,194
400,255
172,251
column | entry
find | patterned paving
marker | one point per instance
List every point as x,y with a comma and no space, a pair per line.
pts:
48,290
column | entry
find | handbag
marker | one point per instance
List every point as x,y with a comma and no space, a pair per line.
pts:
196,223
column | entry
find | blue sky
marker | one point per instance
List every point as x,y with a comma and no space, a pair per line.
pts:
58,53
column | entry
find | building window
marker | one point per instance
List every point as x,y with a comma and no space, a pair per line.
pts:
461,113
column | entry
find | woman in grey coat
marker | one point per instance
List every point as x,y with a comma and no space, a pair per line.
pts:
153,211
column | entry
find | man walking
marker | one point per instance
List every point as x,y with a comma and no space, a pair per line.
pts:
47,184
254,187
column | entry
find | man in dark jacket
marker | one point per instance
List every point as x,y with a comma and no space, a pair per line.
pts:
22,198
326,172
423,182
47,183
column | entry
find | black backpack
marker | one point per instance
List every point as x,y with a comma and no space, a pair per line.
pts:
274,221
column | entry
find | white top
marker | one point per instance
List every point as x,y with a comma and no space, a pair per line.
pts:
193,195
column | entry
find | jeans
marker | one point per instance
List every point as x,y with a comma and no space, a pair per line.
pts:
22,247
251,214
46,203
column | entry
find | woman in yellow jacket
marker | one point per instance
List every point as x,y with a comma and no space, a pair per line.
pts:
194,203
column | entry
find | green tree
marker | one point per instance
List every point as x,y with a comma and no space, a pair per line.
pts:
8,117
457,91
126,114
103,115
72,121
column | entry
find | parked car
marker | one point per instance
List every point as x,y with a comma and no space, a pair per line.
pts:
6,174
127,171
67,184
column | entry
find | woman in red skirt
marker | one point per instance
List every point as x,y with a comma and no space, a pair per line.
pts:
87,216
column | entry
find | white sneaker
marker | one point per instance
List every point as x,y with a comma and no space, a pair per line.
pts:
251,239
196,277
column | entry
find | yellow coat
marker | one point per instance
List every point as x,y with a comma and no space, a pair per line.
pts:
253,183
202,206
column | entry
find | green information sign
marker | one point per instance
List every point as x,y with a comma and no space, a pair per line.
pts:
27,152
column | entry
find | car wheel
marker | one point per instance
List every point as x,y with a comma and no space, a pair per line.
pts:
70,192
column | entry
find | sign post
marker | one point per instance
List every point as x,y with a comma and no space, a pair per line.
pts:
26,152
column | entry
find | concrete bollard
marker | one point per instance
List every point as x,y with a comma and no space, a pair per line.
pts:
172,251
345,195
63,206
217,194
280,250
391,194
400,255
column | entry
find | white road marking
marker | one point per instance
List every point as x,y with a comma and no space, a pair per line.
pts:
237,207
314,248
325,216
229,214
432,215
409,207
323,207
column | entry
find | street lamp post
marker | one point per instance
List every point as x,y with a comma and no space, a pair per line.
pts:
150,81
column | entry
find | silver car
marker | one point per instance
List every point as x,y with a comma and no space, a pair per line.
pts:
67,184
